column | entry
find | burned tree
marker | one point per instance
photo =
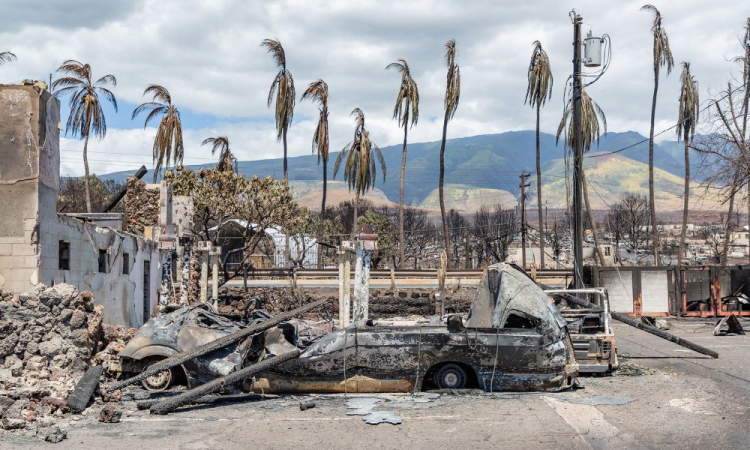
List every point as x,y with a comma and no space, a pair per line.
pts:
253,204
494,230
634,213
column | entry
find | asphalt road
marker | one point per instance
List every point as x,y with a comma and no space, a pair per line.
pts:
665,397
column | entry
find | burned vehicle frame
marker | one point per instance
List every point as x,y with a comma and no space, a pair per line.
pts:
590,329
514,338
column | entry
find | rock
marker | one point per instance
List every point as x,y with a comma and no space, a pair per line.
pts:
51,433
36,363
13,424
8,345
52,346
110,414
77,319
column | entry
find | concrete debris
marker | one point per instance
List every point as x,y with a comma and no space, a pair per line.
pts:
363,406
661,324
379,417
47,339
728,325
110,414
304,406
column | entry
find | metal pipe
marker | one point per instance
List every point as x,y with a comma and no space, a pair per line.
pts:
138,175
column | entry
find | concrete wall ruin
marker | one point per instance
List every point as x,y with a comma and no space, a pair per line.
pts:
33,237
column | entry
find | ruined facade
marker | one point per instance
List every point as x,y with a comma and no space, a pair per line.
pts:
38,246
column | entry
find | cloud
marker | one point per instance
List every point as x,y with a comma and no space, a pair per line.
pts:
208,55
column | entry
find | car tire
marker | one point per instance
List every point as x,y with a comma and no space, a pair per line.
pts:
450,376
159,381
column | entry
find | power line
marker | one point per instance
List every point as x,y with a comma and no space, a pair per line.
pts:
665,130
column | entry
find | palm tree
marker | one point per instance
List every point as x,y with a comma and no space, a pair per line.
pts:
591,117
168,145
360,168
687,117
662,58
318,91
227,161
86,114
406,112
452,95
538,92
283,88
6,57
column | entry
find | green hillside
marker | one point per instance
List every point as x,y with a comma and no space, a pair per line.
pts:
611,176
485,168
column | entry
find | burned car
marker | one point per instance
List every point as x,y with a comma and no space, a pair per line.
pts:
514,338
590,329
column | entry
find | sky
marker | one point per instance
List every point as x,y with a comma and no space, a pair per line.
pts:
208,55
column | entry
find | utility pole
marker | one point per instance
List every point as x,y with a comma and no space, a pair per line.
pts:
577,157
523,187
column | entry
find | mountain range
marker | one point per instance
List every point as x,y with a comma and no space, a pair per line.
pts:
485,169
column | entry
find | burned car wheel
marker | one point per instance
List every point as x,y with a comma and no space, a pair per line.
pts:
450,376
159,381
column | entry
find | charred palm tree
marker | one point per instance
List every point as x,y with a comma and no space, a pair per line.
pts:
86,116
591,118
6,57
662,58
317,91
452,95
282,89
361,158
168,145
538,92
687,117
406,112
227,161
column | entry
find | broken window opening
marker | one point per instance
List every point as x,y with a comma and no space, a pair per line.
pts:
518,321
126,263
607,251
102,261
63,256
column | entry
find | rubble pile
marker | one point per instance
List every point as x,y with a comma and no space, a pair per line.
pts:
47,340
113,339
141,207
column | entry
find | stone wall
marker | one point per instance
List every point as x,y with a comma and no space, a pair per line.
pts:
141,206
383,303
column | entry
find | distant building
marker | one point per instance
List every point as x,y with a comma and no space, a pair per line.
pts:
270,252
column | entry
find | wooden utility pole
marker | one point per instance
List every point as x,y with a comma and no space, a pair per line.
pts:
523,187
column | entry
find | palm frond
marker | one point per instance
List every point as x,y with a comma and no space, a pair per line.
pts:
453,82
6,57
540,79
593,121
662,53
689,104
406,110
86,116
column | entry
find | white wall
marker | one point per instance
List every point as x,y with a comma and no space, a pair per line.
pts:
122,295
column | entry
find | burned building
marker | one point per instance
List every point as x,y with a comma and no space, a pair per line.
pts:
38,246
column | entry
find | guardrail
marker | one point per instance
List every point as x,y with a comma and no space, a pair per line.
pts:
403,273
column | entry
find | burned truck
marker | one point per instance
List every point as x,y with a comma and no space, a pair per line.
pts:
513,338
590,328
